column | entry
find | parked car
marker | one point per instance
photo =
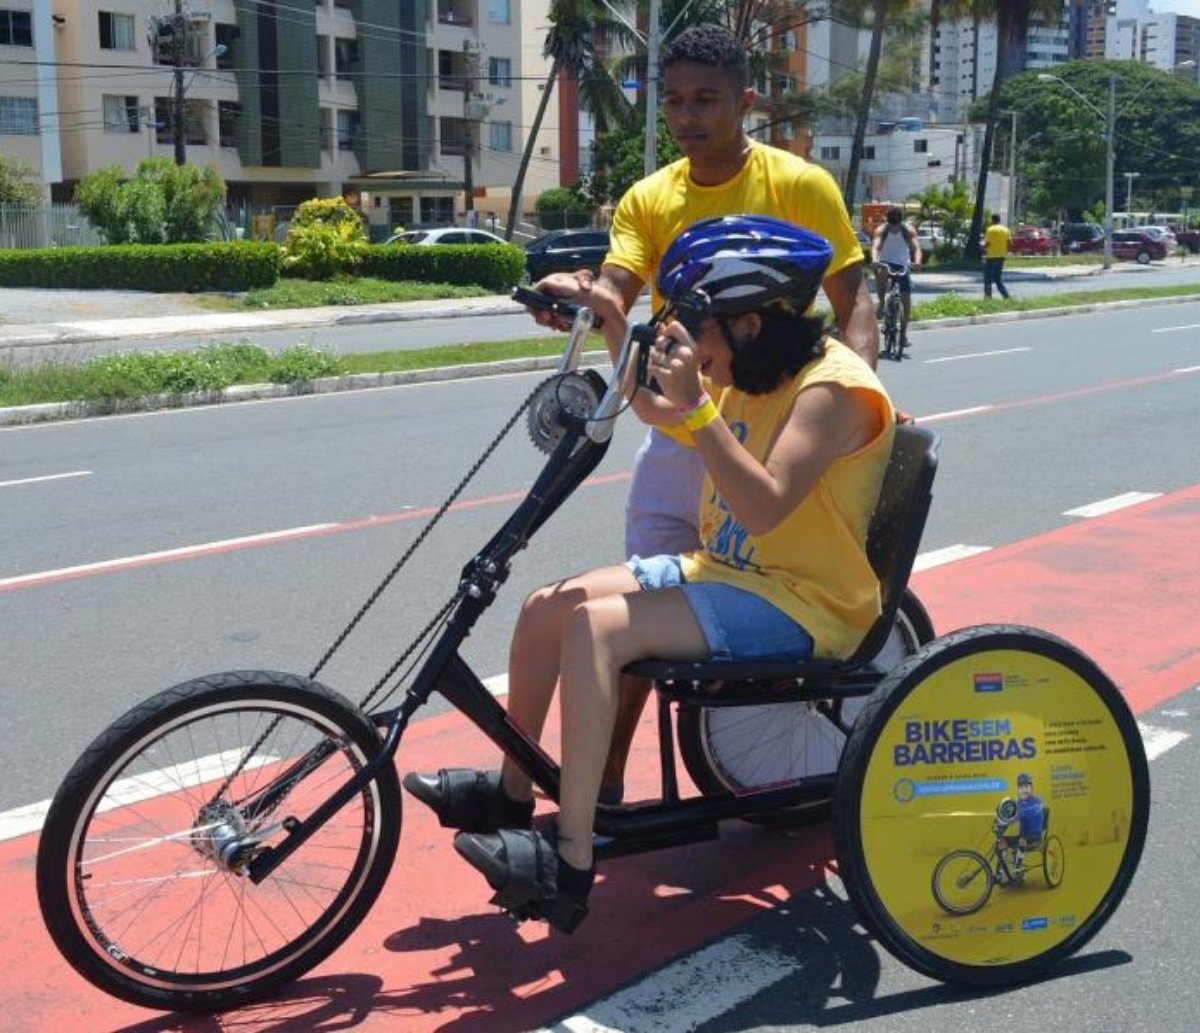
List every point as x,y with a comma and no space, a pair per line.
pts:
564,251
1032,240
1074,237
445,235
1189,239
1163,233
1138,246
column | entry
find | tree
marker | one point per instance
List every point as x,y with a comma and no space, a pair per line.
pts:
570,45
18,182
163,203
1012,34
620,154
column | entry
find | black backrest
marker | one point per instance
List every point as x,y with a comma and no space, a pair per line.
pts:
894,535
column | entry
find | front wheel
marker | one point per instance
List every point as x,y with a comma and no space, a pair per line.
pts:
1143,258
140,871
1054,861
962,882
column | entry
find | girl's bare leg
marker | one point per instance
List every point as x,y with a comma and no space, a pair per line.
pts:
601,637
533,659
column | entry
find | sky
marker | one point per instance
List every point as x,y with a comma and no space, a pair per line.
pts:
1191,7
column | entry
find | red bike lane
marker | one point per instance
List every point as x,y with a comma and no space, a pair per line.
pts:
432,954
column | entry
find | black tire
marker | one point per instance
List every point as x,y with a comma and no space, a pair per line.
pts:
1143,258
1058,713
729,749
1054,861
962,882
168,937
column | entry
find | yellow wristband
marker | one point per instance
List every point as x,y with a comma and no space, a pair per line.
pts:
701,416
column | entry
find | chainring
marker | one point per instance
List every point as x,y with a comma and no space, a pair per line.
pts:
571,394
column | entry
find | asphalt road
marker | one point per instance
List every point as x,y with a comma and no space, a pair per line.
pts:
1037,417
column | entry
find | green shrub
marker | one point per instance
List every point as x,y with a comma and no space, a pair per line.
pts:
163,203
492,266
222,266
325,237
300,363
561,208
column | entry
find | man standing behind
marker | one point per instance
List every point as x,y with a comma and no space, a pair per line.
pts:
995,250
706,98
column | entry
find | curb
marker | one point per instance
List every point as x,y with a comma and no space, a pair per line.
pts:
23,415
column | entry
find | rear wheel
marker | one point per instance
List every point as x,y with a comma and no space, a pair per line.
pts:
1143,258
731,749
141,868
1054,861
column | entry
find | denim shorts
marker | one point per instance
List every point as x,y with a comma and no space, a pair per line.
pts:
737,625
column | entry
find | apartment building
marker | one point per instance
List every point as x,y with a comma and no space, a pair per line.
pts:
27,95
399,106
1135,33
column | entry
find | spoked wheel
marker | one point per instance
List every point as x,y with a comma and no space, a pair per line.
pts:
141,865
891,329
730,749
1054,861
944,737
962,882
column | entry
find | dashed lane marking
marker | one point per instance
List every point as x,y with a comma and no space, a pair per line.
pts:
1111,505
951,553
976,355
45,477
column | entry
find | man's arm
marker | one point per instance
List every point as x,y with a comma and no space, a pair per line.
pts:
854,312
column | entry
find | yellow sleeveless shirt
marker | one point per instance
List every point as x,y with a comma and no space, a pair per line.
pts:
813,565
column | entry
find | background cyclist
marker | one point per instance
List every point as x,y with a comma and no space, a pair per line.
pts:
895,243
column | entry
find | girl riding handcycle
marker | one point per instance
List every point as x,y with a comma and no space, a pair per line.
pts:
228,834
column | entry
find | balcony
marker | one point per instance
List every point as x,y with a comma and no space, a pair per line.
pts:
454,14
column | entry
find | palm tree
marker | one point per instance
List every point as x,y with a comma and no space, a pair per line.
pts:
570,45
1012,34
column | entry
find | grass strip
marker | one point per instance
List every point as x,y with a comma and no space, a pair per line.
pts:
313,293
115,378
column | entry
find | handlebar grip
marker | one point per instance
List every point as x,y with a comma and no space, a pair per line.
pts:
643,337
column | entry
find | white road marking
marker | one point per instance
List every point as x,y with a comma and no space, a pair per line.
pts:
938,557
1129,498
1159,740
46,477
689,992
976,355
1172,329
25,580
124,791
952,414
1187,369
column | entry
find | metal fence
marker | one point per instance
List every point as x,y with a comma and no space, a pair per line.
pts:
45,225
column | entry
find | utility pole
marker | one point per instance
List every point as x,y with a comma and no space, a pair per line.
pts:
1110,165
653,41
471,71
178,48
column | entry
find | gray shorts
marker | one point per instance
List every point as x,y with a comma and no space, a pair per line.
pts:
662,510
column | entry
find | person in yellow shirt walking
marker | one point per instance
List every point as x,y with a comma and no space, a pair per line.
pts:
995,251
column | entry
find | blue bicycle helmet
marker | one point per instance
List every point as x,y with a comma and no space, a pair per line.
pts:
743,262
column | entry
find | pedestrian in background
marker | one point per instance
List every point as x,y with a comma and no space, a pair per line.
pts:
995,251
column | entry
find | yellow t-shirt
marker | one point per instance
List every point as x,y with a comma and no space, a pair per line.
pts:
814,564
655,210
995,241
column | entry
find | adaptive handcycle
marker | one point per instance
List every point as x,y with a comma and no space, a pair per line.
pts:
225,836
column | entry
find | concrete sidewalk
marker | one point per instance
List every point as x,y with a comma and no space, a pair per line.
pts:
32,317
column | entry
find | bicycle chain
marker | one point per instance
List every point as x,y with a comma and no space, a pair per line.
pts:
382,587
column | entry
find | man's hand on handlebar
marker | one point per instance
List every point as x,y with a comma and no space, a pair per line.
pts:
575,288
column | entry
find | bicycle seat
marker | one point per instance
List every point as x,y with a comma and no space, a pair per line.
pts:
893,537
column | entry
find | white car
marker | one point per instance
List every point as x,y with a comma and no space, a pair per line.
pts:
1163,233
445,235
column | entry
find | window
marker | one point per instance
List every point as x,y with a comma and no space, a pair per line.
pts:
228,113
225,36
326,129
788,41
920,146
345,53
787,131
195,121
347,129
498,12
116,31
163,124
322,55
16,28
18,116
121,114
869,152
499,71
500,136
785,84
831,154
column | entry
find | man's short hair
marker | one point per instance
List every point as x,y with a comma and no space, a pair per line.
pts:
995,216
895,215
711,45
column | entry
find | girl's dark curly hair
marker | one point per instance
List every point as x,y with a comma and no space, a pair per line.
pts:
787,341
711,45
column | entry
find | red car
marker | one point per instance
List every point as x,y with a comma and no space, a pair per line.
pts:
1032,240
1136,246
